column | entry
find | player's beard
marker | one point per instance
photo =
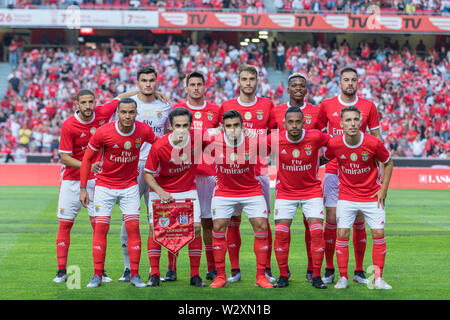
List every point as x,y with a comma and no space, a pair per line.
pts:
85,114
349,92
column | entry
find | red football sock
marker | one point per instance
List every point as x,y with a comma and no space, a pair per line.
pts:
172,261
220,251
359,244
195,255
269,244
92,221
63,242
99,244
134,242
281,246
260,247
329,236
234,241
317,247
342,256
379,255
308,244
210,263
154,255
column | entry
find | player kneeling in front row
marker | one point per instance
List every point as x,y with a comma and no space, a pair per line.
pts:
360,190
237,185
120,142
170,172
296,151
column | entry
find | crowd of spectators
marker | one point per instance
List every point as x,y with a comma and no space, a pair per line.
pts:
409,86
255,6
44,82
249,6
365,6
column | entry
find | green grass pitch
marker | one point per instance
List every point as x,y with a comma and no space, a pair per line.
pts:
417,234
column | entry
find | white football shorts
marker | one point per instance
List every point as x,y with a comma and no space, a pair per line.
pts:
331,190
286,209
205,190
253,207
127,199
177,195
346,213
69,204
264,181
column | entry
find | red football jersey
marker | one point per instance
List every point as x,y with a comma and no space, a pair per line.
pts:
204,117
120,153
297,164
256,116
310,114
235,167
174,166
76,133
330,118
357,168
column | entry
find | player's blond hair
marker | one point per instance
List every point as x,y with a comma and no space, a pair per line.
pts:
248,68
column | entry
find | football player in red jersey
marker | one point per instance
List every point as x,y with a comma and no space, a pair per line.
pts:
297,90
75,134
360,191
120,142
205,116
329,119
255,112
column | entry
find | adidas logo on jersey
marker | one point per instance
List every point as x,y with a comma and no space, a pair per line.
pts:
115,146
335,114
62,244
83,135
343,157
283,152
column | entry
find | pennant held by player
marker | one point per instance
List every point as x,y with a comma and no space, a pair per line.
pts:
173,224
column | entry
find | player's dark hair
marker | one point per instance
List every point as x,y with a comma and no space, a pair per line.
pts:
231,114
293,110
179,112
195,74
350,109
146,70
295,76
84,92
126,101
348,69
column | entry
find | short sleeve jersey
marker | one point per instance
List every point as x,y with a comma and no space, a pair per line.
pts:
120,153
357,167
76,133
330,118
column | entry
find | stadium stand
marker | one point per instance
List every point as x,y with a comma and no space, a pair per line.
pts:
410,86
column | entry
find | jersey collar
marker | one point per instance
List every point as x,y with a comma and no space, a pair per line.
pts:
82,121
247,104
347,104
356,145
295,141
124,134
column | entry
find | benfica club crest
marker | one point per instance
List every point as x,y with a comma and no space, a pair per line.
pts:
159,114
308,149
101,122
210,116
259,115
164,222
247,156
138,143
308,119
365,156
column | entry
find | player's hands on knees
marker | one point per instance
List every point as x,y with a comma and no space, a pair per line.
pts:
96,167
381,195
84,197
165,196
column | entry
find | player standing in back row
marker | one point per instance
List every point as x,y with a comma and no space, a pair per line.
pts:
360,190
329,119
255,112
154,112
205,116
297,91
